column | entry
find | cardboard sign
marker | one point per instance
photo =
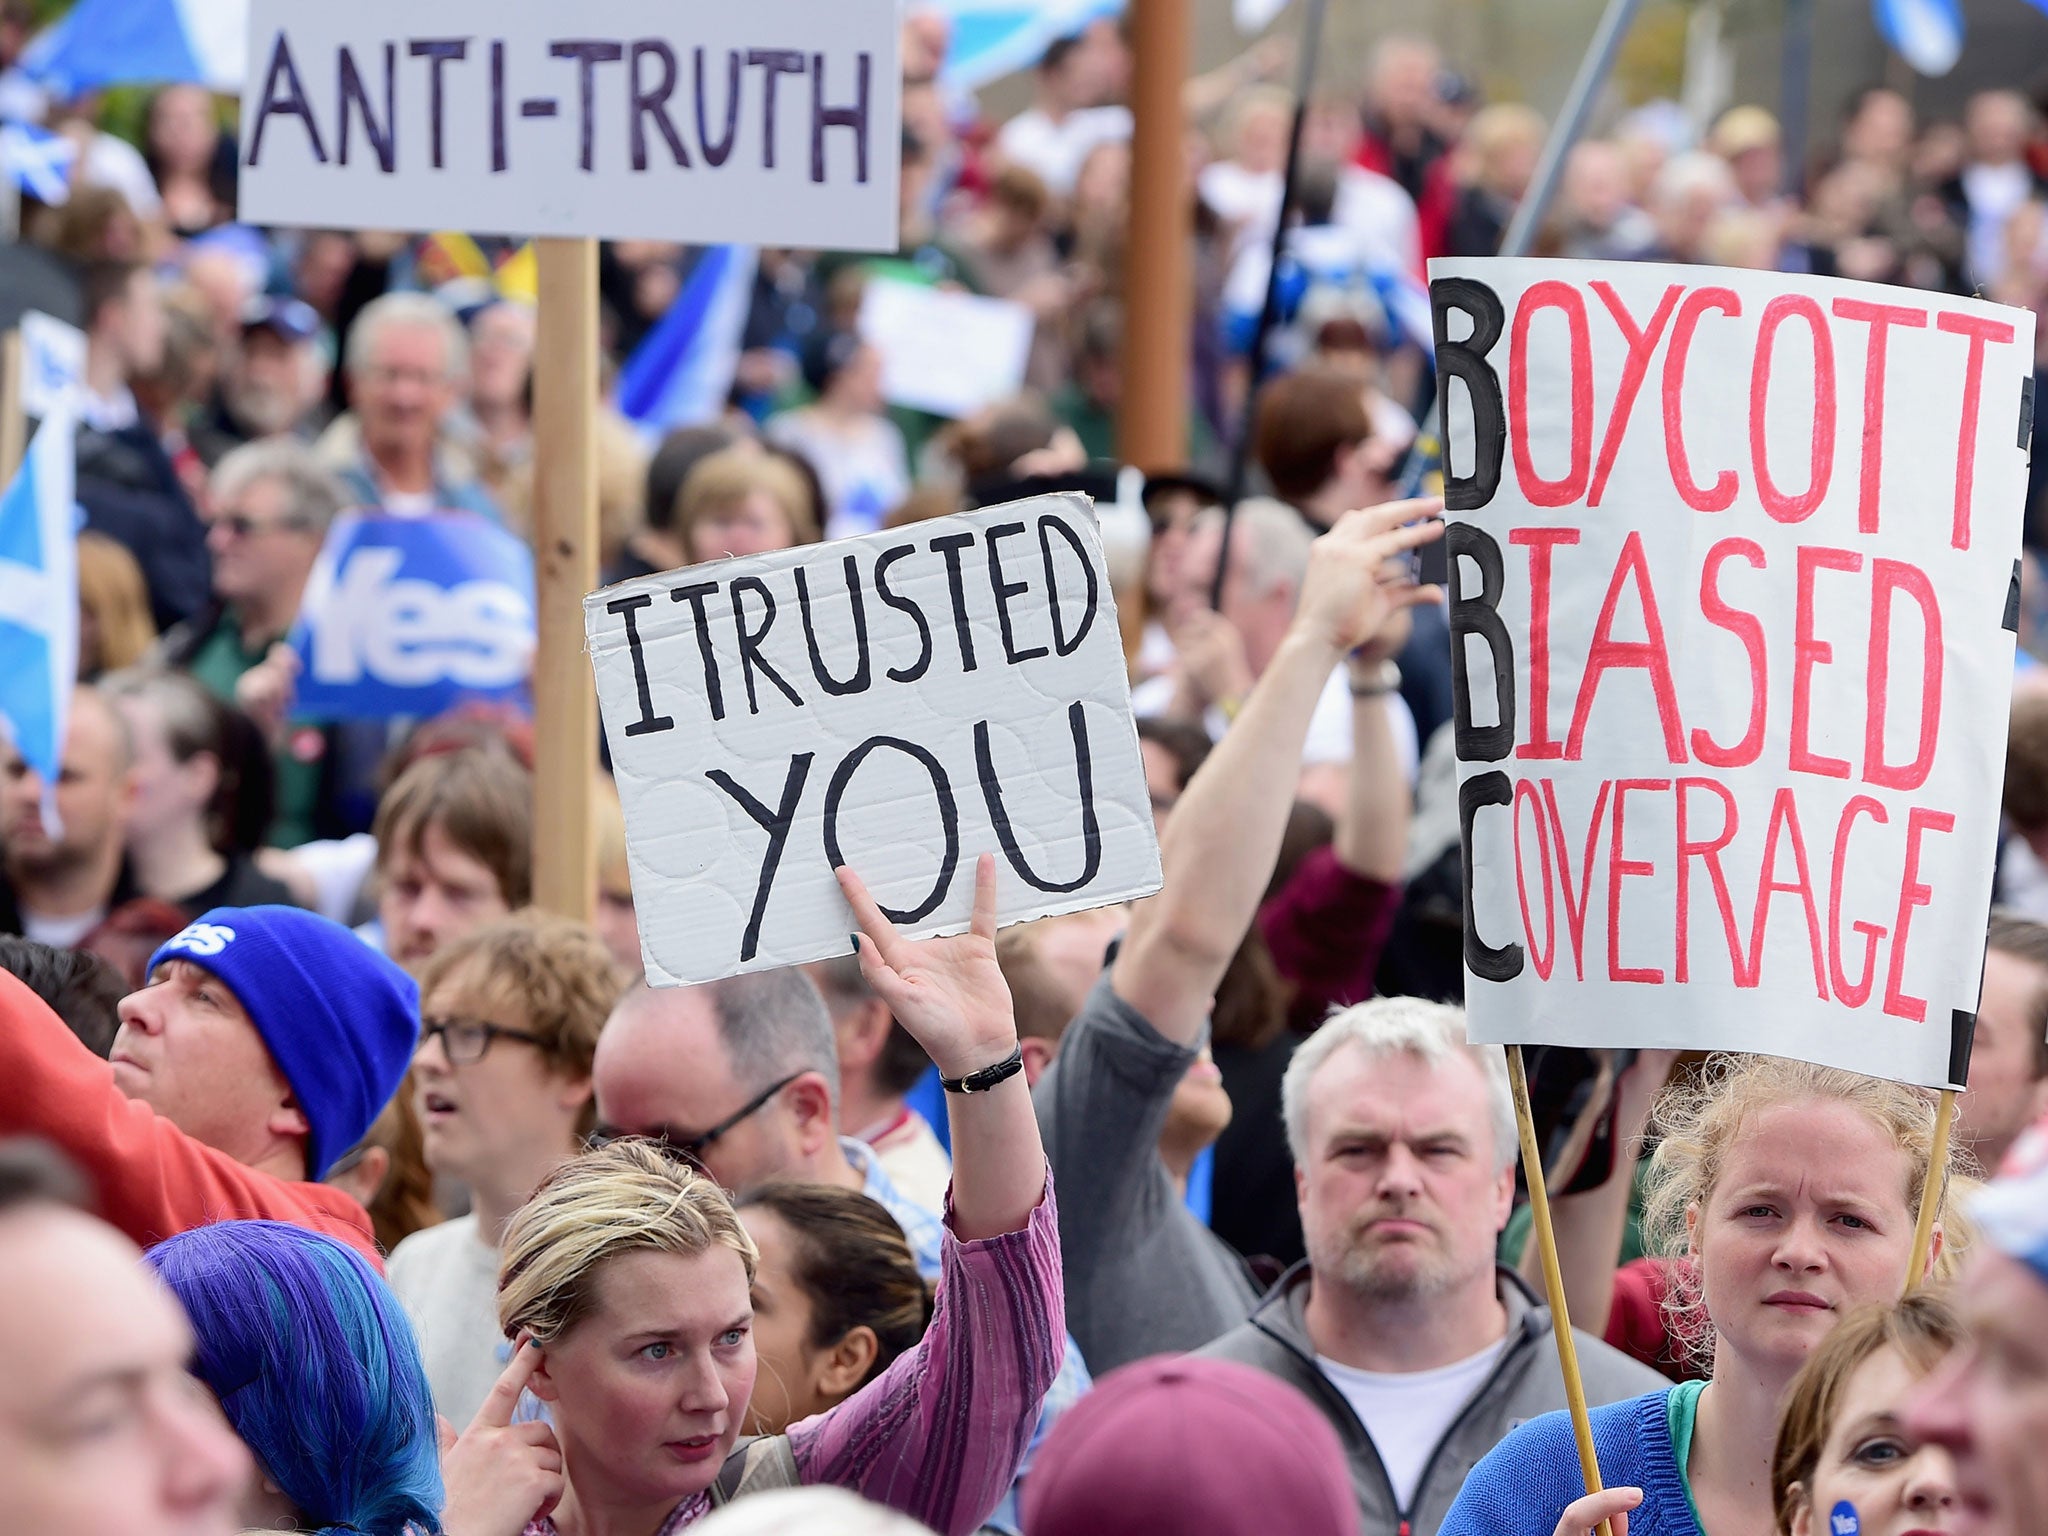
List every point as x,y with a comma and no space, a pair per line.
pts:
948,353
1733,593
410,616
899,703
772,123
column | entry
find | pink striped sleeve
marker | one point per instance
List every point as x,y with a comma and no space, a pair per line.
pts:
939,1434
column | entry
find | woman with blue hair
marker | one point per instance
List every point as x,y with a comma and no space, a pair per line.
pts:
315,1366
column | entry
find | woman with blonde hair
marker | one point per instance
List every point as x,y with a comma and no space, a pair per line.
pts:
1792,1190
741,501
625,1284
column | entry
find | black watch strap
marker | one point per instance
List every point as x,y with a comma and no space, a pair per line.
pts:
987,1077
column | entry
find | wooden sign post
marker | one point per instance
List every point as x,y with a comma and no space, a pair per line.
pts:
565,568
513,120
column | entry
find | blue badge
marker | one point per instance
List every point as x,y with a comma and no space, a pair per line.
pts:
1842,1520
412,616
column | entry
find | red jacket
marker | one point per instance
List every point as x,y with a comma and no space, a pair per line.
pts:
153,1180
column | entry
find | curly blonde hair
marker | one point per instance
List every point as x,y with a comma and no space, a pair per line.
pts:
1697,1120
630,1196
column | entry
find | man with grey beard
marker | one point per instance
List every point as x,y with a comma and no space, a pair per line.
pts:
271,385
1420,1350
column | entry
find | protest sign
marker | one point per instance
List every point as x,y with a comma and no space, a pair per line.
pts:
948,353
773,123
412,616
1733,593
899,703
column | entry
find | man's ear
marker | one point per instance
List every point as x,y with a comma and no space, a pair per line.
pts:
1038,1055
1505,1199
575,1092
810,1102
847,1363
287,1119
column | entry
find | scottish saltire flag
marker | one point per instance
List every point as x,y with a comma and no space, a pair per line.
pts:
1927,34
38,161
143,42
993,38
39,598
681,374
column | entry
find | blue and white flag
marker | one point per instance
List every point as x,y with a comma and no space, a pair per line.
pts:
1927,34
681,373
39,600
143,42
411,616
38,161
993,38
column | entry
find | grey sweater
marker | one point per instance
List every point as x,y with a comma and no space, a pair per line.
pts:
1525,1382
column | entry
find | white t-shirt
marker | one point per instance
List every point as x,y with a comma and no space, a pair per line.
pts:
61,932
865,472
1057,150
1408,1412
447,1278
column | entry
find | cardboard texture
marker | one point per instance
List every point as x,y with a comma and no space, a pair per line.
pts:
773,123
911,698
948,353
1730,560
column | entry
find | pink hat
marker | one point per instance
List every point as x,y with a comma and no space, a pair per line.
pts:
1181,1446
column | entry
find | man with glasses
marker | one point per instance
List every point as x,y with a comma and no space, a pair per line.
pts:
268,507
741,1076
266,1042
501,1082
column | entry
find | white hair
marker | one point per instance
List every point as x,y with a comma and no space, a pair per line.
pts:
1269,542
417,311
1685,176
1393,1026
312,495
810,1512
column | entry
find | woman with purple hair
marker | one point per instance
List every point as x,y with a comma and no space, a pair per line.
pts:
315,1366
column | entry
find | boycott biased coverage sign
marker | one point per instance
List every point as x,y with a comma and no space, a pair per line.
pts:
1733,593
899,703
772,123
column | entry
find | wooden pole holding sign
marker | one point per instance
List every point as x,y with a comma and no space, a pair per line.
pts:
13,424
1152,418
1553,1278
565,569
1933,1191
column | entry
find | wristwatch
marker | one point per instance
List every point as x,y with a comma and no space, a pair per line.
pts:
1385,679
987,1077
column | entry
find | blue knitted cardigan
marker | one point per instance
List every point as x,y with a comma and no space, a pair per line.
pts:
1523,1484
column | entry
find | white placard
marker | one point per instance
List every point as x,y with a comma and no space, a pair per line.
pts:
900,702
945,352
773,123
1734,583
52,362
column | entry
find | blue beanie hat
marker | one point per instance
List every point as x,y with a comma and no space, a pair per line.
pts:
340,1019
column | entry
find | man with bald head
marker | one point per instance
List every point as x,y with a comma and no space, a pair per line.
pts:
57,884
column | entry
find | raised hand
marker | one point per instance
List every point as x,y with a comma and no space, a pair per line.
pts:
1353,589
948,992
502,1476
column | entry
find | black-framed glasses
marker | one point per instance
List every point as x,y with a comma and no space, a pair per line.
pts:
466,1041
693,1147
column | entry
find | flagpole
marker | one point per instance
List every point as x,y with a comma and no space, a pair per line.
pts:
13,421
565,569
1158,263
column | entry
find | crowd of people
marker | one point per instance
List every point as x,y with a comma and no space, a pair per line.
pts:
342,1190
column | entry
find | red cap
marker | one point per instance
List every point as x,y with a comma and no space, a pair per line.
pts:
1180,1446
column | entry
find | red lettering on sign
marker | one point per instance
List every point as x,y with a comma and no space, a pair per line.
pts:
1543,955
1575,910
1881,318
1979,332
1785,823
1708,851
1855,993
1808,653
1889,577
1540,542
1619,869
1569,302
1642,342
1911,894
1821,441
1652,655
1747,628
1701,498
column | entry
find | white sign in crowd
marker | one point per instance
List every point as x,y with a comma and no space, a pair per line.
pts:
898,703
772,123
1733,599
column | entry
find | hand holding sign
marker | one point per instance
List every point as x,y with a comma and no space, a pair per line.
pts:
950,994
500,1475
1584,1516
